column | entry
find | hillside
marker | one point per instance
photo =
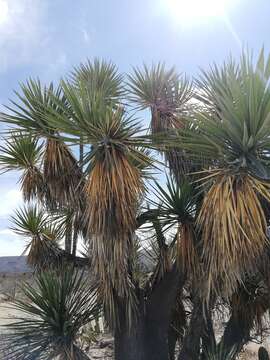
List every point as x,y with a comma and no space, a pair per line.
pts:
13,264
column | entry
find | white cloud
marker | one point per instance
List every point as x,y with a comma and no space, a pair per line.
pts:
9,201
22,31
59,63
86,36
8,232
11,244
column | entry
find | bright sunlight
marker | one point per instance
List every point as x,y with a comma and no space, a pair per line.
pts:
193,12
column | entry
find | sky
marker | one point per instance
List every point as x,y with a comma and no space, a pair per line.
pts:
46,38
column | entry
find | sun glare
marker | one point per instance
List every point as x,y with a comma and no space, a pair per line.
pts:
192,12
3,11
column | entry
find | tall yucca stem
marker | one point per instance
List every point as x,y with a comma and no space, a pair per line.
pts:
113,192
233,227
177,160
187,256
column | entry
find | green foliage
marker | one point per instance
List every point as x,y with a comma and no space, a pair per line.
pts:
219,352
234,130
29,221
54,311
175,203
160,88
42,234
33,102
99,76
167,95
23,152
20,152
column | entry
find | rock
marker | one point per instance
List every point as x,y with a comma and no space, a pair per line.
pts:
106,342
102,349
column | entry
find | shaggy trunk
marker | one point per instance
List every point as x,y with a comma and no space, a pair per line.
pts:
172,340
148,338
129,343
208,339
192,340
236,334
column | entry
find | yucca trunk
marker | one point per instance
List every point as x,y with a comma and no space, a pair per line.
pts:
200,333
161,123
236,334
192,341
113,191
187,255
179,164
148,337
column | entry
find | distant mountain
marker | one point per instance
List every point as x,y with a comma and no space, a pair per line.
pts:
14,264
18,264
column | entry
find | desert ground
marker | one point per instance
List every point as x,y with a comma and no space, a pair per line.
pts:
102,346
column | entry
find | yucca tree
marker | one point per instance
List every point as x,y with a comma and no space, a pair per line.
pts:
233,134
167,94
42,236
23,153
60,168
205,234
51,316
99,76
114,182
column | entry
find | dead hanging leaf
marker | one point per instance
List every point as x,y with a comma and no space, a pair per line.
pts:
233,228
32,184
61,173
187,256
113,194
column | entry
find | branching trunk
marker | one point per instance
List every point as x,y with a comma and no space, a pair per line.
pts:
192,340
158,315
148,338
